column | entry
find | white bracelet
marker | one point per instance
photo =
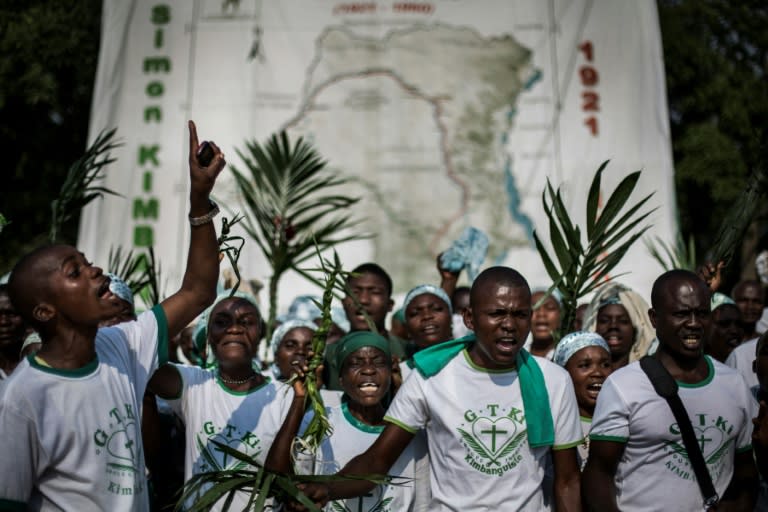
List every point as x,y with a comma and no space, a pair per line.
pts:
205,219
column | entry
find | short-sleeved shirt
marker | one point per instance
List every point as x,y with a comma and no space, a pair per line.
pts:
71,439
246,421
654,466
741,358
351,437
476,428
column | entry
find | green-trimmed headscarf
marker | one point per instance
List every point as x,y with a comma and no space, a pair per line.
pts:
357,340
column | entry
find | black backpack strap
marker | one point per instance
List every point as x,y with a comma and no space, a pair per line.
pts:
666,387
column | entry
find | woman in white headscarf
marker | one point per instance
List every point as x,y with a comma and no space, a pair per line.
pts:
620,316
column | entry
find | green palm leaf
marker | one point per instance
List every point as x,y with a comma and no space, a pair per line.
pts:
720,452
210,459
512,445
577,268
472,442
381,506
677,448
338,506
291,204
79,186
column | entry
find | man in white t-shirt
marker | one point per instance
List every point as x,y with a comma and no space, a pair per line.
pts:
69,415
741,359
494,414
637,459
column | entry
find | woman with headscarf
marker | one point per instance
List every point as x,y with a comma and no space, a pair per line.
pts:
620,316
545,322
290,346
428,320
231,402
586,357
365,364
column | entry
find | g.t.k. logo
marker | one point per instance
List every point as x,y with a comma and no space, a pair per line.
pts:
215,457
714,438
118,442
492,437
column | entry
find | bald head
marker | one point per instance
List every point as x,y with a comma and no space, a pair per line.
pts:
28,284
495,276
667,282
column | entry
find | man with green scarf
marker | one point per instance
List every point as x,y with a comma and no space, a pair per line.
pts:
495,416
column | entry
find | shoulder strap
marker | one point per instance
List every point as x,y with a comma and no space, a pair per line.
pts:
666,387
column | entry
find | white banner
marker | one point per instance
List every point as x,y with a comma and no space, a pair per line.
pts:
448,113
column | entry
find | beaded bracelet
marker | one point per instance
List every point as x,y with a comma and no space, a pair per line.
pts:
208,217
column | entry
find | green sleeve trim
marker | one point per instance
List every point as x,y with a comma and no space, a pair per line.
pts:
162,335
566,446
11,505
410,430
615,439
747,448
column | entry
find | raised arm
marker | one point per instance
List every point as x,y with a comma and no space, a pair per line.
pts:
448,279
598,484
198,288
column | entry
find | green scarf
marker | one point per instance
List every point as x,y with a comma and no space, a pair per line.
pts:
538,416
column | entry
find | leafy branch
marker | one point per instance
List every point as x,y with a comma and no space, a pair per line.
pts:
204,490
739,217
130,267
582,268
681,255
80,186
290,206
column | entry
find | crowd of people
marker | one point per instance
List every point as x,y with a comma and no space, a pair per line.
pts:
470,398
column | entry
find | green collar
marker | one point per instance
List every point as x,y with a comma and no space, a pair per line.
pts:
705,381
74,373
359,425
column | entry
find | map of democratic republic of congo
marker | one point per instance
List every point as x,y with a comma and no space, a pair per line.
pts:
422,111
445,114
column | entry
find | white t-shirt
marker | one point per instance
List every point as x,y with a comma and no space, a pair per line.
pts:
350,438
477,434
246,421
71,439
741,358
654,472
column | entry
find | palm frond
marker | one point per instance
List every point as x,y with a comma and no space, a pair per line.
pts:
129,266
739,217
680,255
577,268
152,294
290,205
205,489
80,185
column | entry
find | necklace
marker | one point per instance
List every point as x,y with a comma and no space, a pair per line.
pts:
232,381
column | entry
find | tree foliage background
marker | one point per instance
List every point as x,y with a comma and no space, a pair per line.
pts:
49,52
716,58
